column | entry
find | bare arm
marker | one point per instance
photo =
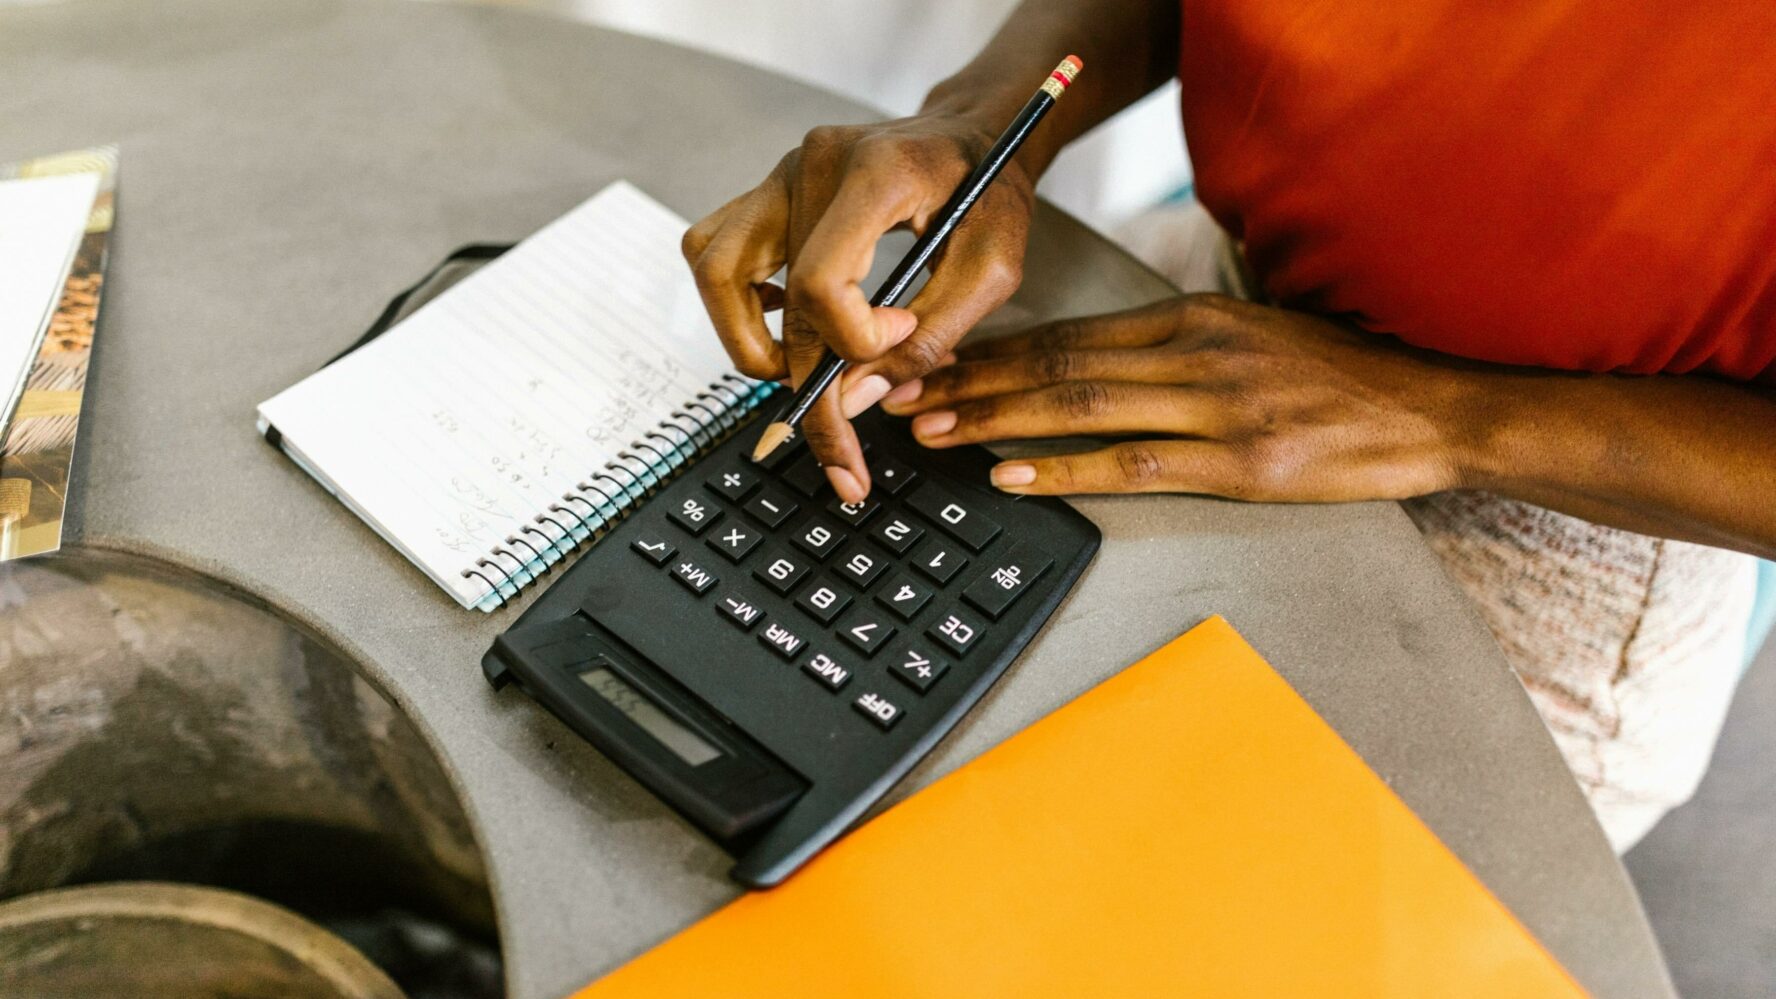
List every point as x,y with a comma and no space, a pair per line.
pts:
1684,457
1252,402
1130,45
823,208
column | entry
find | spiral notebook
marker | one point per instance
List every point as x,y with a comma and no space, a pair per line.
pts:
526,408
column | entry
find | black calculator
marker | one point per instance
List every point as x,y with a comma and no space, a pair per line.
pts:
769,660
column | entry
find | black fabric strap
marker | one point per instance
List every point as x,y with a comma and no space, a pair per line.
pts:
474,251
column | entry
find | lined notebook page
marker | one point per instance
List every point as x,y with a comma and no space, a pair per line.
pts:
454,430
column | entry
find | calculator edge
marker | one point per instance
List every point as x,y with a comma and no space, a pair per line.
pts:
783,848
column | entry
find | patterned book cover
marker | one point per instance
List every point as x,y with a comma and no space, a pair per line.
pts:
39,446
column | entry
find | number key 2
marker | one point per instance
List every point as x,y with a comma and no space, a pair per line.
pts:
897,533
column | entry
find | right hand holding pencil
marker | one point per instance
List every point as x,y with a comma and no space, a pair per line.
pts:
820,212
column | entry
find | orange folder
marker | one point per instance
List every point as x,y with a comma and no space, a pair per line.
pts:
1188,827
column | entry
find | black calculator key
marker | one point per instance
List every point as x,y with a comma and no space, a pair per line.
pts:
790,448
878,709
957,631
971,527
695,578
734,540
781,571
867,630
743,611
938,559
772,507
827,670
1005,578
653,548
897,533
781,640
823,600
694,514
891,476
917,668
903,595
735,484
806,476
818,537
854,513
860,566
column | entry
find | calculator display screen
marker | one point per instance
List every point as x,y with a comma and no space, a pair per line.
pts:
683,742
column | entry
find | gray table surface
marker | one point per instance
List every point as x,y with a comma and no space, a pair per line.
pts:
287,166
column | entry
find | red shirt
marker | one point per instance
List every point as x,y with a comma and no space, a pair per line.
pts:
1564,183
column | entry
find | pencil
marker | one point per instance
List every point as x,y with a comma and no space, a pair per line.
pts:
951,215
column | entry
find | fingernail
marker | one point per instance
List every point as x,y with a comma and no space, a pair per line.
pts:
948,359
845,484
934,424
904,394
866,393
1013,475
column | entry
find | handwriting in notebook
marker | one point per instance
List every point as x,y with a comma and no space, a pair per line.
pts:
464,424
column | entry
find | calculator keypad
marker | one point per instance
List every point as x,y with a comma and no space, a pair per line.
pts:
913,572
822,648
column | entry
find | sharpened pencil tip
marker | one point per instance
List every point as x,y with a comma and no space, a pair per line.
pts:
773,438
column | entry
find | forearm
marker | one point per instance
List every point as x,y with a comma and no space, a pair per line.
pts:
1129,47
1683,457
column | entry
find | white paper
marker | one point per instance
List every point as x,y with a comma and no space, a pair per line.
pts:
41,222
455,429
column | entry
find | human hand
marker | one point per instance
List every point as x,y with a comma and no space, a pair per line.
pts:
820,212
1223,397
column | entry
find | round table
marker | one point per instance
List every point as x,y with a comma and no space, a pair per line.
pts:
287,166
